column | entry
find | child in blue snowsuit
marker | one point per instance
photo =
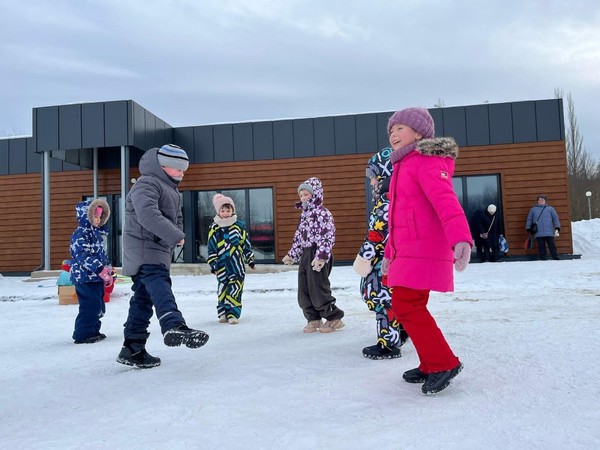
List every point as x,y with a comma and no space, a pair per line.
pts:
229,250
90,270
378,297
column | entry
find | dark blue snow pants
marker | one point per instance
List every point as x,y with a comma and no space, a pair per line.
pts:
91,309
151,287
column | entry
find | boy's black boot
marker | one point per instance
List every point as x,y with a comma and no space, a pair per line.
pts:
438,381
182,334
379,351
134,353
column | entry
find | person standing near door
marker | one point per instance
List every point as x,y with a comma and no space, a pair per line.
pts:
542,222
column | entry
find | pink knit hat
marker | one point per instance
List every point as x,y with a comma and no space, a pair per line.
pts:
418,119
220,200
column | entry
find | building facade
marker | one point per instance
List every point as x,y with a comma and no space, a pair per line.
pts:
509,153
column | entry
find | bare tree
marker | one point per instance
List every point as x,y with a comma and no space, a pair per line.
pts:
583,170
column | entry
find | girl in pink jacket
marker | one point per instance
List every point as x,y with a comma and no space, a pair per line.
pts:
428,235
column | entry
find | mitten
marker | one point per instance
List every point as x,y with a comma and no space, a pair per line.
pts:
556,233
106,275
462,255
252,265
385,266
317,264
362,266
288,260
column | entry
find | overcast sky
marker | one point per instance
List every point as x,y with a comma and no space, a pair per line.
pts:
200,62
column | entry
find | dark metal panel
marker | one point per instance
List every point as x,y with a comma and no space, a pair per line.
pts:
72,157
46,131
184,138
160,137
304,138
92,125
4,157
110,158
547,115
17,156
366,133
34,159
242,142
324,136
501,131
139,127
69,127
116,124
263,140
283,139
345,135
86,158
455,124
437,114
223,138
204,144
523,114
383,139
150,127
478,125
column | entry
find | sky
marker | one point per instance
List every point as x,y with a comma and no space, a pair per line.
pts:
222,61
526,332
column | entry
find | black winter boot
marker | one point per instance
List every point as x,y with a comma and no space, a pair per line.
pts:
438,381
414,376
186,336
134,353
379,351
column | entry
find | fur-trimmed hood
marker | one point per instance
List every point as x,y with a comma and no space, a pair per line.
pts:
85,212
443,146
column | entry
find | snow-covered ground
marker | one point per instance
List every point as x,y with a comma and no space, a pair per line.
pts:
527,333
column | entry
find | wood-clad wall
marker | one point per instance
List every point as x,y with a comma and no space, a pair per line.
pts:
526,170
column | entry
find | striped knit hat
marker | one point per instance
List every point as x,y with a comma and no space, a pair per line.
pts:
170,155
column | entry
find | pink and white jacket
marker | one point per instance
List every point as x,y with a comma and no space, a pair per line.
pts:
426,219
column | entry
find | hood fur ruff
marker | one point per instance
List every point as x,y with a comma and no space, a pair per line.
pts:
443,146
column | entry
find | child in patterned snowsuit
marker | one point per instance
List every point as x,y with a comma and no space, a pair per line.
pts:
312,249
229,249
90,270
378,297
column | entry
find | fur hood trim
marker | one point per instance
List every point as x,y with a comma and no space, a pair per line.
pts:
445,147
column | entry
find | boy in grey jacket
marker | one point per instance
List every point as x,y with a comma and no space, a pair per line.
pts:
153,227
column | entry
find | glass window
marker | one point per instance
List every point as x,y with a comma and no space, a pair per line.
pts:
253,206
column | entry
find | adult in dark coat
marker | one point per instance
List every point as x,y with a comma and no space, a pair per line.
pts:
488,230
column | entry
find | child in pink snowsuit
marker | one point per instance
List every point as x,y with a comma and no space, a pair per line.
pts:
428,235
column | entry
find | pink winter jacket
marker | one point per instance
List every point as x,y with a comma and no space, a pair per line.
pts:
425,218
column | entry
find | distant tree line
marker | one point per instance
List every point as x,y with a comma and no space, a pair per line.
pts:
583,169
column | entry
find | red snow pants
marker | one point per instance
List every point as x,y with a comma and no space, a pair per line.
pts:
410,309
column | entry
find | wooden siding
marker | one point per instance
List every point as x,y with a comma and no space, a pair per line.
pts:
525,170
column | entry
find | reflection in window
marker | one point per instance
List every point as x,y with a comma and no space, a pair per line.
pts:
253,206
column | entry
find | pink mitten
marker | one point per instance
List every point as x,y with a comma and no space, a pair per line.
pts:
385,266
462,255
288,260
106,275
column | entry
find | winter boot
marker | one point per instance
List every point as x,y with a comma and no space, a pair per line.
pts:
438,381
99,337
379,351
415,376
181,334
134,354
332,325
233,320
312,326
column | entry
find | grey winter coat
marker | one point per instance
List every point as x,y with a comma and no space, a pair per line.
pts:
153,218
547,222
